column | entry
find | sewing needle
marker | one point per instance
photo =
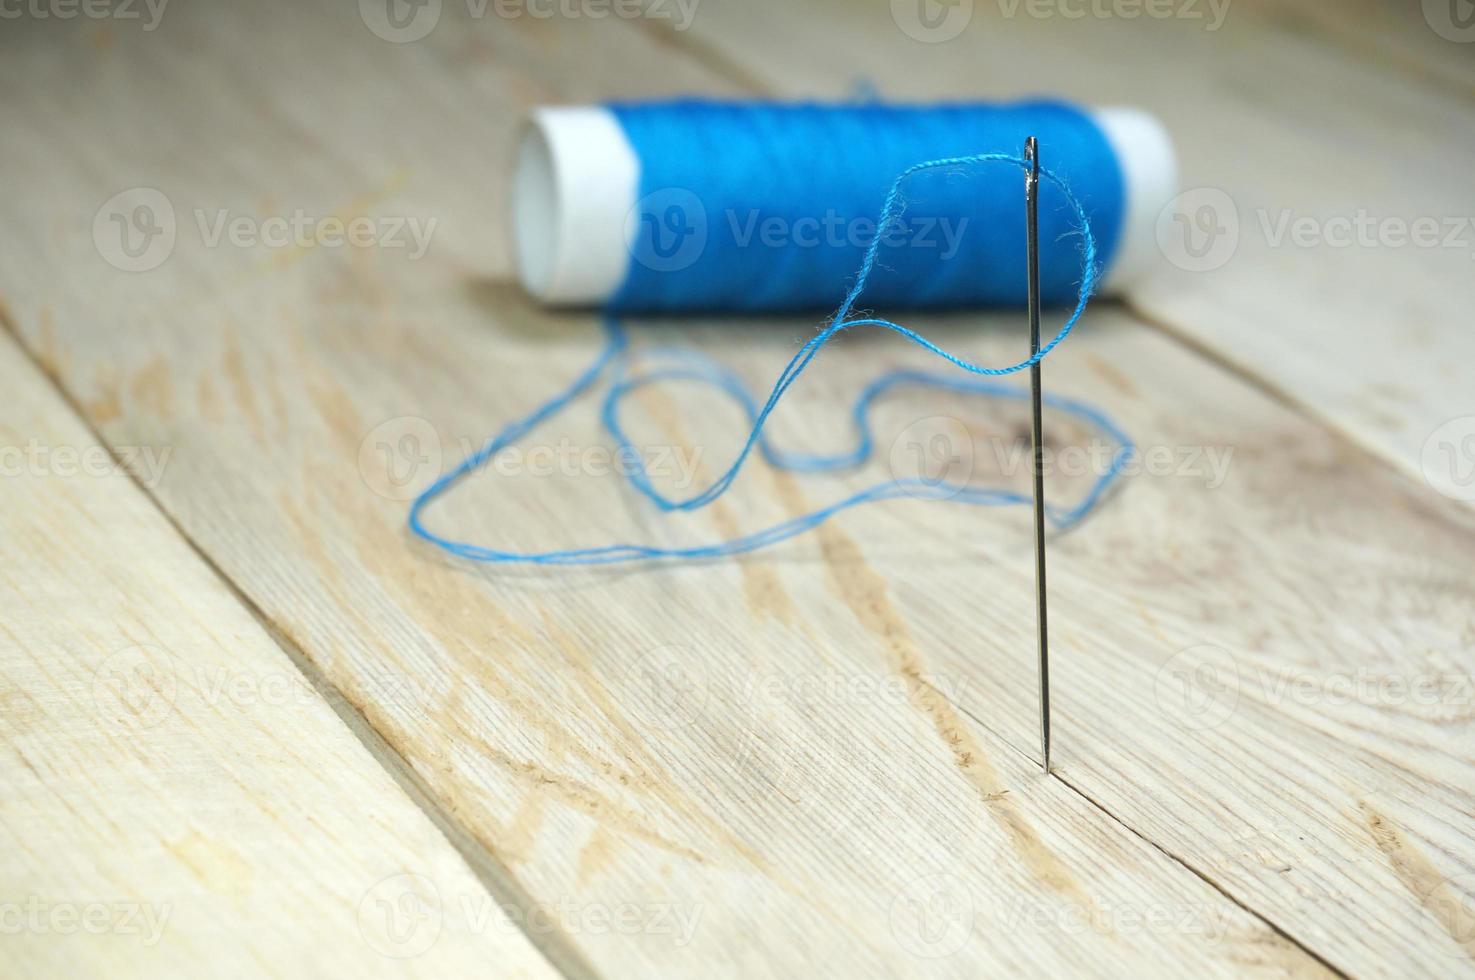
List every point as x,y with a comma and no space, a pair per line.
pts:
1032,251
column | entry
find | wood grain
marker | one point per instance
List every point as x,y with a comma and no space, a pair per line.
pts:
744,799
743,796
814,759
178,797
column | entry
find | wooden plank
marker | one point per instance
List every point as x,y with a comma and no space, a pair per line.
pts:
1422,38
178,798
774,786
751,762
1314,159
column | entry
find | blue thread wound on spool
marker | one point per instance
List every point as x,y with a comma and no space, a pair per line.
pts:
747,207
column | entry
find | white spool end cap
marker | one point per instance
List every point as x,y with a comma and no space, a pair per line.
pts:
577,177
572,190
1150,173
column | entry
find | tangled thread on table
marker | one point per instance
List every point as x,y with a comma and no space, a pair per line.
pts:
614,359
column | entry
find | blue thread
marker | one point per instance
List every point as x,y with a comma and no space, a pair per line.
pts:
748,207
614,353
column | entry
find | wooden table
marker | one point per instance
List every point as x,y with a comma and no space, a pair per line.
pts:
250,725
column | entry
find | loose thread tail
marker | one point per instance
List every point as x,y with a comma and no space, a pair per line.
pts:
614,357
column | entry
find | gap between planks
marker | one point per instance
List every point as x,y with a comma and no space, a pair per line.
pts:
1272,390
1183,863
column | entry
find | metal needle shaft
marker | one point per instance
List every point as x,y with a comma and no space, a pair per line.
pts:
1032,250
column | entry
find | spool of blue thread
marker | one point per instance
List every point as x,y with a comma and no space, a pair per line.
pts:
697,205
694,205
